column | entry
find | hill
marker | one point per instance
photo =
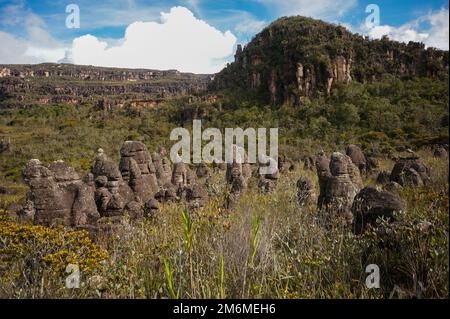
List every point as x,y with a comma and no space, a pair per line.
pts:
298,57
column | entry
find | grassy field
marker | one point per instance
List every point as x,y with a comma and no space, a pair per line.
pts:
269,247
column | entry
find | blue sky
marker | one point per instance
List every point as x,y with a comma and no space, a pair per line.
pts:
35,31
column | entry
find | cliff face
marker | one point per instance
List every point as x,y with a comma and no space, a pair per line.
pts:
22,85
299,57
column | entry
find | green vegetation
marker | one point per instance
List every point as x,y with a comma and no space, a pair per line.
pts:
269,248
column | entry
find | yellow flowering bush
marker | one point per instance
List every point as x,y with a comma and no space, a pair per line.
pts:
48,248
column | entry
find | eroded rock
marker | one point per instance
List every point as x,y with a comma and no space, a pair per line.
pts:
371,204
137,169
58,195
410,171
306,193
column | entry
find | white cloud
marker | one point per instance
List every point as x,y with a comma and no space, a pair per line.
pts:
179,42
250,25
320,9
36,46
13,50
431,29
438,34
402,34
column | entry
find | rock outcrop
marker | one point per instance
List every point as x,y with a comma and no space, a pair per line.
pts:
5,146
137,169
440,152
202,170
357,156
108,88
268,182
58,195
112,192
306,194
371,204
162,166
323,173
410,171
341,187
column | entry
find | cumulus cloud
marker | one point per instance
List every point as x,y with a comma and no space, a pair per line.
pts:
321,9
180,42
438,34
402,34
431,29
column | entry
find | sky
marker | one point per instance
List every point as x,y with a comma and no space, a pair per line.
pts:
198,36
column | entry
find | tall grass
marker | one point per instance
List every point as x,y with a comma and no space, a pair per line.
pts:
269,247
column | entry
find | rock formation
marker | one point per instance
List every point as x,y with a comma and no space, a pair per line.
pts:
283,66
371,204
357,157
323,173
58,195
268,182
137,170
108,88
203,170
306,194
341,187
5,146
383,177
440,152
410,171
308,163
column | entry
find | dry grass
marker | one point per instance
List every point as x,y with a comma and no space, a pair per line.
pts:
269,247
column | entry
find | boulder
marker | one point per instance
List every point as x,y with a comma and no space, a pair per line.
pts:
110,186
371,204
306,193
440,152
151,208
393,187
323,173
285,164
268,182
410,171
196,195
357,157
308,163
179,175
135,210
202,170
383,177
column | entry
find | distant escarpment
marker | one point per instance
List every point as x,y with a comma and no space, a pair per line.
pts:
26,85
300,57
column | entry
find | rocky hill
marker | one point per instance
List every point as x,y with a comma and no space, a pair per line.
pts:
299,57
23,85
